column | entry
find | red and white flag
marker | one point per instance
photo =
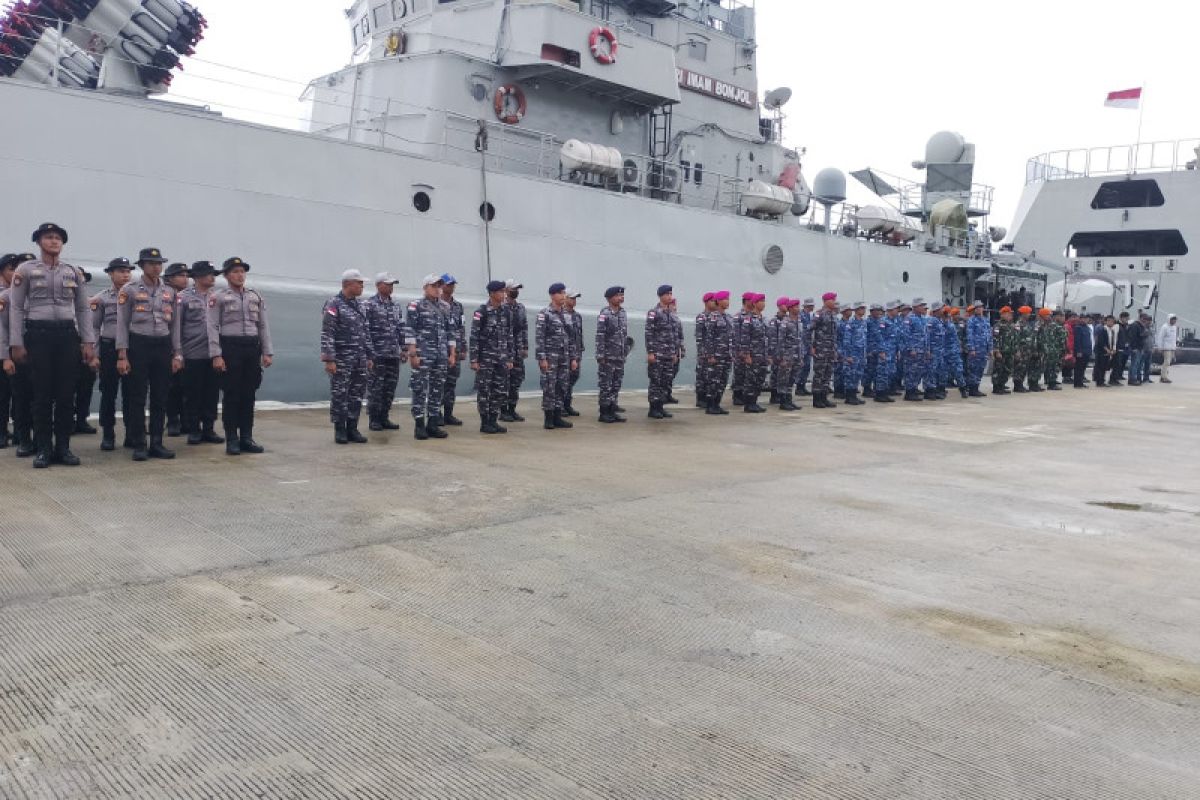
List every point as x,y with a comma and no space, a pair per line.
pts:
1126,98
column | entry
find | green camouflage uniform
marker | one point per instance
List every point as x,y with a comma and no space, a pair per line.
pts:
1034,353
1026,331
1006,339
1054,348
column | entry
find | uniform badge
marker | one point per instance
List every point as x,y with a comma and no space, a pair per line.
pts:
17,279
331,310
94,304
122,298
212,302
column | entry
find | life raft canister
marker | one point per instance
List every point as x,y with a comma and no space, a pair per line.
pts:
501,104
603,55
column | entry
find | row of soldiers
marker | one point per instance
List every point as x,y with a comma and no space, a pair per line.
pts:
140,337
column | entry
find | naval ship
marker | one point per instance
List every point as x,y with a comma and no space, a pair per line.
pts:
596,142
1118,223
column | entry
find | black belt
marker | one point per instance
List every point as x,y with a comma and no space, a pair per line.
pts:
141,337
49,324
240,339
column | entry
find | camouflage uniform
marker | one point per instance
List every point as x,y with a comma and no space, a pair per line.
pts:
663,341
824,349
1006,341
520,349
739,366
433,336
979,347
576,320
702,390
852,347
879,351
935,336
491,351
1026,353
680,354
385,325
1054,348
556,346
752,342
785,353
1032,344
717,346
952,357
804,367
915,346
454,312
346,342
612,331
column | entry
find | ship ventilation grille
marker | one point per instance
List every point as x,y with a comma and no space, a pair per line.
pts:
772,259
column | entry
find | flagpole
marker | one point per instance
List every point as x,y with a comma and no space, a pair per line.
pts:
1141,112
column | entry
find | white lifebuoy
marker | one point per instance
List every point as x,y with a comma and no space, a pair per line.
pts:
603,55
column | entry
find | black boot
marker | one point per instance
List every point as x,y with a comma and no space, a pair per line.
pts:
448,417
353,435
506,414
618,409
656,411
339,433
802,392
498,428
158,451
419,432
614,411
913,395
387,423
671,400
883,397
82,426
1057,387
247,443
559,422
976,393
140,451
233,446
839,394
737,398
194,436
108,442
208,434
42,459
434,430
962,390
715,404
701,400
4,439
568,411
606,414
752,406
775,398
25,445
62,455
786,404
1019,387
174,428
548,423
513,415
374,424
852,399
486,425
931,394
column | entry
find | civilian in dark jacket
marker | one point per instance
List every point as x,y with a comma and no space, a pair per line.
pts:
1122,353
1083,349
1105,345
1136,339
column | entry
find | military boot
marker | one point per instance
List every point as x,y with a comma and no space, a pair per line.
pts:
701,400
247,443
194,436
752,406
964,391
931,394
506,414
158,451
448,417
419,432
614,411
738,400
374,424
569,411
387,423
434,430
913,396
339,433
656,411
140,451
233,446
606,414
852,398
975,392
353,435
883,397
839,394
671,400
825,402
209,435
513,415
1000,389
1019,387
108,442
559,422
42,459
786,404
802,392
174,427
497,426
619,410
1057,387
715,405
548,424
82,426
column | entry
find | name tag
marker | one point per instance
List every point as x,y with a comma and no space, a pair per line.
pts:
141,308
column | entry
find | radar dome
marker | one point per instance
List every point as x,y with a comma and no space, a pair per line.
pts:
945,147
830,186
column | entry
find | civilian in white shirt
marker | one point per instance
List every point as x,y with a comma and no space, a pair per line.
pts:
1168,340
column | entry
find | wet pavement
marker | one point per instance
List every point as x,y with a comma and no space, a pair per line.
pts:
991,598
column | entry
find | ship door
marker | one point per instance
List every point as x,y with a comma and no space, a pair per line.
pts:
956,286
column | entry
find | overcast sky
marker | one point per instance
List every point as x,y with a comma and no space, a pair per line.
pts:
872,80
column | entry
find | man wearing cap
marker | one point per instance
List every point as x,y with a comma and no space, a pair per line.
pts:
85,383
710,305
434,350
935,336
952,349
839,367
914,343
555,355
454,312
104,318
1005,340
520,343
612,334
739,366
48,303
193,357
11,401
145,315
854,353
718,348
491,357
979,347
175,276
1026,334
662,351
240,339
576,320
754,352
347,355
390,342
1168,343
895,331
681,355
824,350
804,367
1148,344
1054,347
773,326
1122,355
879,349
786,353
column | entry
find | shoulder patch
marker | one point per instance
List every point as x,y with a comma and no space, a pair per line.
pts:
122,298
478,315
94,303
3,304
412,306
212,301
16,279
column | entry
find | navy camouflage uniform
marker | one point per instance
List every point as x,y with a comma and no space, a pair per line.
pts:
824,349
555,346
520,346
385,326
752,341
879,355
702,390
576,320
739,366
433,335
786,354
454,311
663,341
491,349
612,331
952,363
915,347
346,341
853,349
804,367
979,347
718,349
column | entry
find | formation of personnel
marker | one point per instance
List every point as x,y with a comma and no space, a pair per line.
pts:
172,350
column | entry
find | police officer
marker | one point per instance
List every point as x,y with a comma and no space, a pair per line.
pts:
193,357
346,352
556,356
85,383
175,276
576,320
718,349
612,336
48,304
239,338
145,314
104,318
491,357
389,345
7,267
454,310
520,343
824,350
432,353
662,351
979,347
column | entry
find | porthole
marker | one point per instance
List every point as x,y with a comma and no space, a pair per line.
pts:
1131,266
478,91
1112,266
421,202
772,259
487,212
904,277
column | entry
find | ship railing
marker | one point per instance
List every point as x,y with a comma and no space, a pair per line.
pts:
1123,159
979,200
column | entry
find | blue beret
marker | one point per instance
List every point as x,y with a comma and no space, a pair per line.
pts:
555,288
664,289
495,286
448,279
613,291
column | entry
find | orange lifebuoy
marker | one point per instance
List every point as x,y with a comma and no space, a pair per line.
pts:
501,103
604,56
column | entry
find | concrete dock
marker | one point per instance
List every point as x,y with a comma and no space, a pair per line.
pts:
993,598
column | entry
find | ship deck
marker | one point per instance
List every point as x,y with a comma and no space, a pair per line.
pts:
912,601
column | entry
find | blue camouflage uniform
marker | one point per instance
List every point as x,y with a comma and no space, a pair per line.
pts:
952,350
979,347
879,347
612,333
853,348
385,322
915,347
491,352
934,336
804,367
455,311
430,324
346,342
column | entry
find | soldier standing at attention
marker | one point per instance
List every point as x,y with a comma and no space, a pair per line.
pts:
1026,339
145,314
48,303
520,339
979,347
915,346
576,320
175,276
1054,347
346,352
773,326
434,350
7,267
104,318
491,357
85,384
787,352
454,310
952,347
1005,341
555,356
662,352
895,330
240,340
824,350
935,331
20,378
1034,349
854,357
612,333
193,357
879,354
385,324
718,349
739,365
805,364
680,355
754,355
710,305
839,367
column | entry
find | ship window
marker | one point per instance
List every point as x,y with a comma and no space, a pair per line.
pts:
904,277
687,169
421,202
1128,194
699,173
560,55
642,26
1122,244
698,51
